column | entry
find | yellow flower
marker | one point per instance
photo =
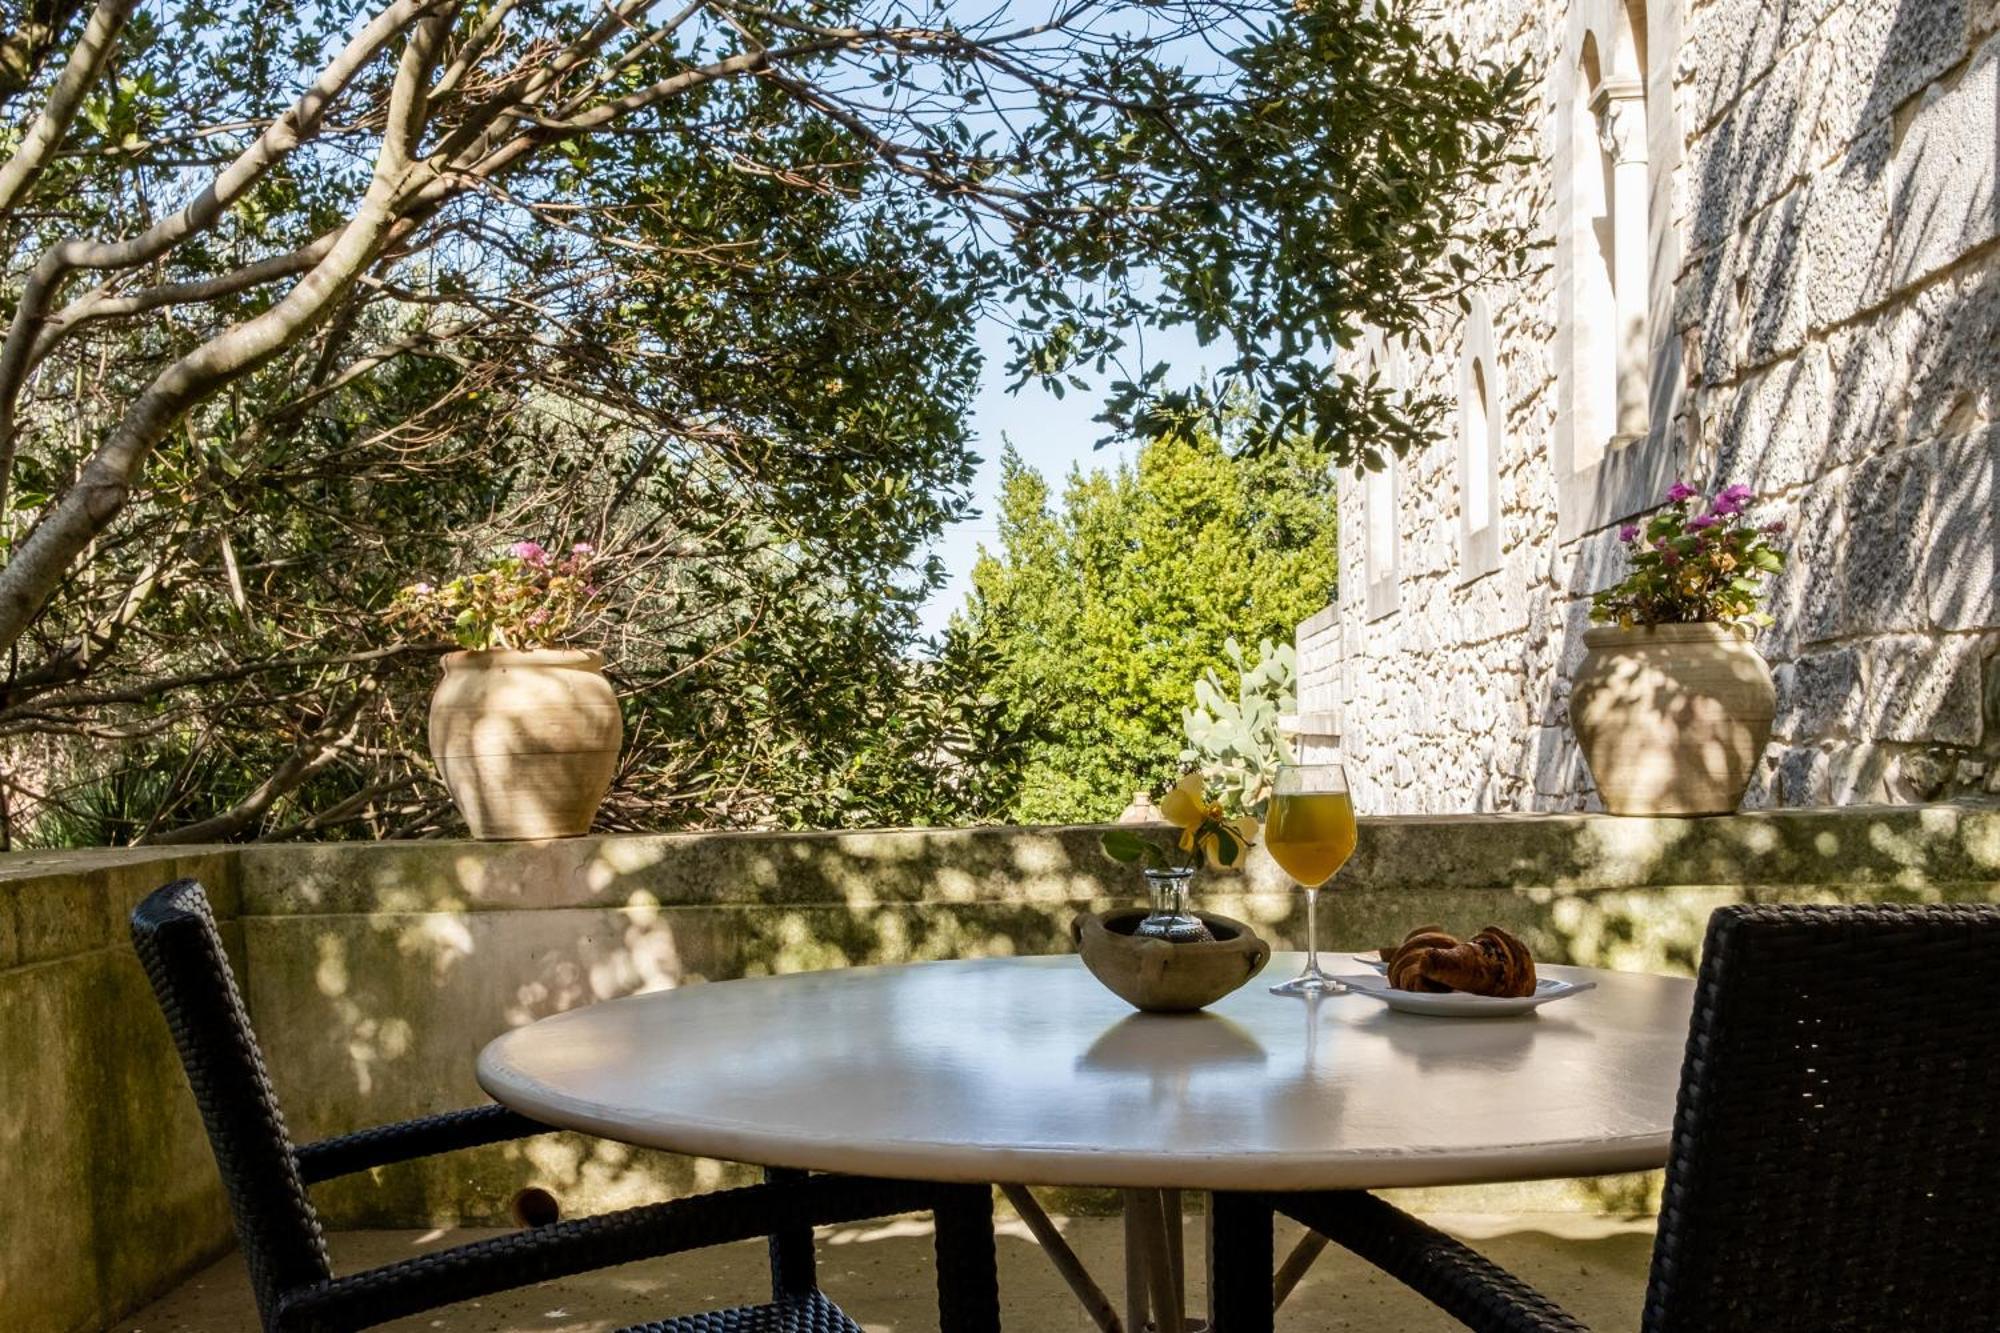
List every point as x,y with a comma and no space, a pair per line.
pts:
1245,830
1185,805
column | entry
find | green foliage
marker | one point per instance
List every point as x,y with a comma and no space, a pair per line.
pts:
1128,848
1695,560
1106,611
729,339
823,723
748,395
123,803
1332,182
1235,742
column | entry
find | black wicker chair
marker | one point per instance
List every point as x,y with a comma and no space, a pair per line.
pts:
1836,1149
266,1178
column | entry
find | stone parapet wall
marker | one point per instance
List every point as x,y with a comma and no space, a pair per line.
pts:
1834,344
110,1194
374,974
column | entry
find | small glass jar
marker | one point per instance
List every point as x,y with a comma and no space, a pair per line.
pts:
1170,919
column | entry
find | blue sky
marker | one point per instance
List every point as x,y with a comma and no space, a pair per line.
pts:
1050,433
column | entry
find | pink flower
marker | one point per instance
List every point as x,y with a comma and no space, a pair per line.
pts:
421,589
583,548
1680,491
1704,521
530,554
1731,501
1629,533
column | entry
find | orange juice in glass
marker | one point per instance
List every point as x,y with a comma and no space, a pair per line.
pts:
1309,831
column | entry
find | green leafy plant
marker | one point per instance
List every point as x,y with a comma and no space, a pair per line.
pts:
525,598
1207,831
1236,742
1697,560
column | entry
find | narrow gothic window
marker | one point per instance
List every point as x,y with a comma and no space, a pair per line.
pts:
1593,285
1481,409
1380,501
1478,421
1618,104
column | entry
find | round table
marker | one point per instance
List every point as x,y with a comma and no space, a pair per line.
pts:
1025,1071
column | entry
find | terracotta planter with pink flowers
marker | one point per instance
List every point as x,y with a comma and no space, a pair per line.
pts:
1672,718
1672,705
525,730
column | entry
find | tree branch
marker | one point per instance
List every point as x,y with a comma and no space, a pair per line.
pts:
319,748
86,63
100,491
29,337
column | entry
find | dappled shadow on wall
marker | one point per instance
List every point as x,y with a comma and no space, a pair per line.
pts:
385,1010
380,1013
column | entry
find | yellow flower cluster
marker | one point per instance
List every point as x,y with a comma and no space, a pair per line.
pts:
1204,824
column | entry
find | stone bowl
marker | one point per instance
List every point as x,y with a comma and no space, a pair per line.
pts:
1162,978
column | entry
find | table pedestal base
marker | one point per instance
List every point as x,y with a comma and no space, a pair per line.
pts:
1156,1265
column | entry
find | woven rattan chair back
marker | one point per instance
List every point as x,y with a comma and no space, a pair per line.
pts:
175,935
1836,1155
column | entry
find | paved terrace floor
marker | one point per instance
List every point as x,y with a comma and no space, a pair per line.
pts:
1594,1266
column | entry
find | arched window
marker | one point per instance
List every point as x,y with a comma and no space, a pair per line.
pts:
1593,288
1482,413
1618,104
1614,266
1381,499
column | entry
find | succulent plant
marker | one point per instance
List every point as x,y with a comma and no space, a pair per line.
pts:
1235,742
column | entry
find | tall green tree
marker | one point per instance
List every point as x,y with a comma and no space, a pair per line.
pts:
1105,605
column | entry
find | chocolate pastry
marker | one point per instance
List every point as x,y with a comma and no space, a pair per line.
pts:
1492,962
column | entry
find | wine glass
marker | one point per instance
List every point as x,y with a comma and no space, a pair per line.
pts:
1309,831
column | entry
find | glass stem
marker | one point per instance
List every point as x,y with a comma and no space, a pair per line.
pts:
1312,931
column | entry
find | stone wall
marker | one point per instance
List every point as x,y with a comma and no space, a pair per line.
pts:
374,974
108,1195
1828,332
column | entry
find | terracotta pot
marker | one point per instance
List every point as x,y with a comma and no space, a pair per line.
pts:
526,741
1163,978
1672,718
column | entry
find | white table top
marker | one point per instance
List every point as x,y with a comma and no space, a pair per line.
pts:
1025,1070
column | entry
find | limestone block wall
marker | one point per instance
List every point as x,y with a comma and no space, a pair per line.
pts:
1831,208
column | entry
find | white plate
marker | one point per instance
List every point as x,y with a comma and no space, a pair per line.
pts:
1457,1004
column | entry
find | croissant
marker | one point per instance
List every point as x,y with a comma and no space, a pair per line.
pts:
1411,976
1492,962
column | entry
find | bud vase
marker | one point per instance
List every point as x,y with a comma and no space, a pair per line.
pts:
1170,919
